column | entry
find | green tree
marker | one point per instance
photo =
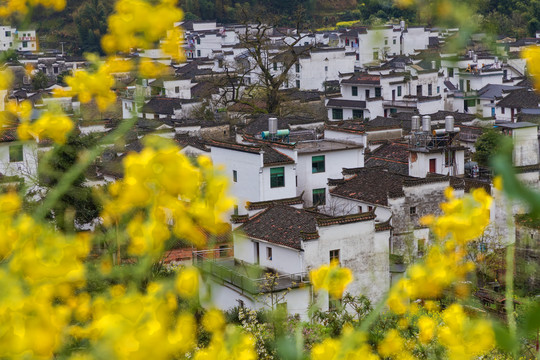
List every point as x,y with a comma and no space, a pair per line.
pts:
78,203
40,81
92,25
486,146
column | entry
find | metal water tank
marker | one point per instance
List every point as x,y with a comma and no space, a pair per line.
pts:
272,125
449,123
415,123
426,123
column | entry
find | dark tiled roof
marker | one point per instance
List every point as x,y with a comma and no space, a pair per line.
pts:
381,122
8,135
393,151
301,95
264,204
357,104
522,98
271,156
260,123
281,225
363,79
160,105
196,142
371,185
351,126
395,167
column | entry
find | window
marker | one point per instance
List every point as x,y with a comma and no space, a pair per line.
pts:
268,253
438,89
337,114
375,55
369,208
177,89
297,67
235,176
317,164
55,69
502,110
386,41
15,153
360,209
198,53
298,84
419,90
357,114
399,91
367,94
274,65
461,84
430,89
235,210
277,177
378,92
394,41
357,57
412,210
354,90
450,72
8,33
421,247
319,197
25,44
334,256
198,41
223,251
325,68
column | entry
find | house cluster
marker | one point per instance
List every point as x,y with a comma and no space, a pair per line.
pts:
374,124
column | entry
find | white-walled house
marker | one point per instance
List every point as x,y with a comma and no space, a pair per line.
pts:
258,173
525,139
315,66
397,200
290,242
361,98
18,158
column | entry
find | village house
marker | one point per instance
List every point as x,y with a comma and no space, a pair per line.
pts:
288,242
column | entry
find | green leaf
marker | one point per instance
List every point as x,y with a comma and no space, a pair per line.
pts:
505,339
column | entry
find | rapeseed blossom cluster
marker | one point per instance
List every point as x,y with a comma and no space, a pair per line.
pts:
9,7
463,220
445,267
332,278
173,192
138,24
532,55
54,125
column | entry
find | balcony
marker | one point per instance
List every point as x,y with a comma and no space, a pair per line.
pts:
412,104
248,278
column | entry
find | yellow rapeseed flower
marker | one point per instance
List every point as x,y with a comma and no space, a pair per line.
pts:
187,282
331,278
213,321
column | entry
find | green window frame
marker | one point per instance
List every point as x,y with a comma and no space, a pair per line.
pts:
357,114
337,114
377,92
319,196
16,153
277,177
399,91
317,164
354,90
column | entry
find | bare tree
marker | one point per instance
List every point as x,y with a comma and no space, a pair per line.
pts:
256,76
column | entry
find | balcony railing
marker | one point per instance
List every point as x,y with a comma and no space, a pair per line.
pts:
401,103
248,278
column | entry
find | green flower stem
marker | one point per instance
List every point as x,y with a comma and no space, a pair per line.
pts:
84,161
